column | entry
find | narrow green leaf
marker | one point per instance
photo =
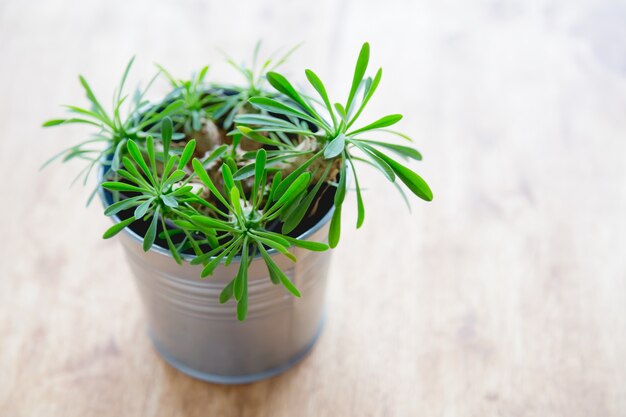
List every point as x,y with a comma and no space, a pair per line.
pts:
414,182
170,244
211,265
169,201
378,163
321,90
118,227
135,153
275,245
386,121
242,273
142,209
206,180
148,239
297,187
211,223
335,147
56,122
335,228
187,154
257,137
227,292
401,150
367,95
340,194
280,83
274,106
359,198
123,205
166,135
242,307
359,72
307,244
248,170
276,272
227,175
259,169
121,186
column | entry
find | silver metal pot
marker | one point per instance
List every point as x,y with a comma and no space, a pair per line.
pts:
202,338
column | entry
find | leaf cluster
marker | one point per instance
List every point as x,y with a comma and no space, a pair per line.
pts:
244,196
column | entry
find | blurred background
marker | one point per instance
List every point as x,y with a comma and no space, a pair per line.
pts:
504,296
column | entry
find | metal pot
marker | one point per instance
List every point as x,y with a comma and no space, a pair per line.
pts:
202,338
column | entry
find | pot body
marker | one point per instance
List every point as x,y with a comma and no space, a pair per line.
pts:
203,338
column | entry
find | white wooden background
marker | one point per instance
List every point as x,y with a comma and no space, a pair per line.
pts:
505,296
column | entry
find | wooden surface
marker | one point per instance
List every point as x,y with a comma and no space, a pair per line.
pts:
506,296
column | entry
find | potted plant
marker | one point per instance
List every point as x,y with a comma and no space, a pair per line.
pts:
217,190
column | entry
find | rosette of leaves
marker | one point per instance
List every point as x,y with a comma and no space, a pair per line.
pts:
198,99
235,97
334,129
115,127
241,227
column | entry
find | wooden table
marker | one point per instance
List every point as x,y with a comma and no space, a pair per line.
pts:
505,296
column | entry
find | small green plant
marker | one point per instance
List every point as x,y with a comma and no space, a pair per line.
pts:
262,166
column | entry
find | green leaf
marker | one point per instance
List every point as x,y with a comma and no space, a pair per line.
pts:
259,169
211,223
241,280
142,209
274,245
276,273
335,228
386,121
242,307
280,83
123,205
340,194
116,228
151,158
173,249
359,199
135,153
296,187
235,200
227,292
248,170
367,95
280,239
307,244
211,265
376,161
359,72
56,122
398,149
169,201
335,147
257,137
206,180
121,186
228,177
187,154
414,182
274,106
166,135
115,161
294,218
91,96
321,90
148,239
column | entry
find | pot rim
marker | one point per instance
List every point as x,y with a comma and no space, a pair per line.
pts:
102,193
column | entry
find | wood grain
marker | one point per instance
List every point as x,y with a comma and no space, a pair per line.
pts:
506,296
